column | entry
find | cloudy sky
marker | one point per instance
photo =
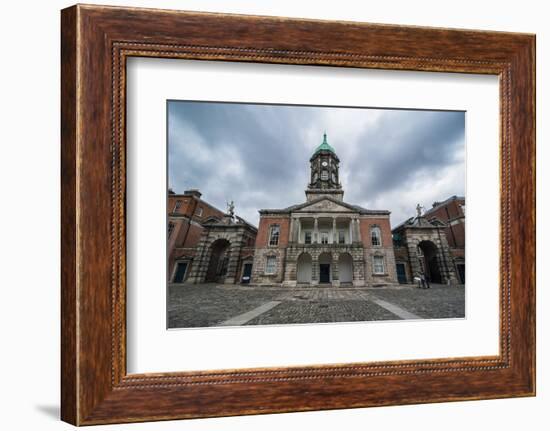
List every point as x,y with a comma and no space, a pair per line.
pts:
258,155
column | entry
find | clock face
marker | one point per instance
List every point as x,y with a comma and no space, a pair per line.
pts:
324,163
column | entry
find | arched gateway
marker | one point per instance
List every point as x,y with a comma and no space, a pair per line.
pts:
219,259
429,257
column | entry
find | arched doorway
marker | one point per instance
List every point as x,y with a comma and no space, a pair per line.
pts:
219,259
430,261
303,268
325,271
345,268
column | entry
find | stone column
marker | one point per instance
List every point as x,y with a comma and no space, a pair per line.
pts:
414,258
316,232
358,224
335,271
299,223
233,261
334,233
354,230
201,260
314,270
351,231
292,236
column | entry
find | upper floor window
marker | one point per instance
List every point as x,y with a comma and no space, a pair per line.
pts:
324,237
171,227
378,266
270,265
463,208
375,236
324,175
341,237
274,233
307,237
177,206
199,212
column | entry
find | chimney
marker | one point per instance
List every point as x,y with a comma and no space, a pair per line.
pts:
193,192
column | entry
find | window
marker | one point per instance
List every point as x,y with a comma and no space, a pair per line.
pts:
378,264
199,211
270,265
375,236
333,177
177,206
341,237
274,234
307,237
324,237
171,227
324,175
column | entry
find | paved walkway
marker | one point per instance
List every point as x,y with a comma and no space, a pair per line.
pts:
204,305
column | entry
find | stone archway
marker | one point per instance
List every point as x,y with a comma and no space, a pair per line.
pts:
219,260
303,268
345,268
430,261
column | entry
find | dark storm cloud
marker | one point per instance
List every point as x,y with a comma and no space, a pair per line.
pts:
404,144
258,155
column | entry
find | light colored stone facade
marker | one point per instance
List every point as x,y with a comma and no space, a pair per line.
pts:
221,250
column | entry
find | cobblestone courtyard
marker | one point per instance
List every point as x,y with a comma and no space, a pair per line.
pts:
202,305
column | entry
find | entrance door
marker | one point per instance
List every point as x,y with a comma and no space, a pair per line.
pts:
324,272
401,276
247,271
180,272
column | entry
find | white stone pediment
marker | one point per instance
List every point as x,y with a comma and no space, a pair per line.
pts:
324,206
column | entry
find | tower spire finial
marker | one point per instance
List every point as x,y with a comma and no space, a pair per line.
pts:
325,137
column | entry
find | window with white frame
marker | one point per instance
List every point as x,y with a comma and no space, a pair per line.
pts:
307,237
341,237
270,265
324,237
274,232
375,236
378,266
199,211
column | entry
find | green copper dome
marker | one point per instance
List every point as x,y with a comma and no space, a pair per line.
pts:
324,146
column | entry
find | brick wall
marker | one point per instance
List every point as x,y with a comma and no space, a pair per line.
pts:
262,239
451,212
383,223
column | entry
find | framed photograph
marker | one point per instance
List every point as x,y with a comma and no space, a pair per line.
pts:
265,214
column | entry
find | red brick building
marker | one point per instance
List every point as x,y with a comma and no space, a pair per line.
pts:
187,213
452,212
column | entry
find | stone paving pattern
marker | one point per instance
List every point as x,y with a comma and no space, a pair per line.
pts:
204,305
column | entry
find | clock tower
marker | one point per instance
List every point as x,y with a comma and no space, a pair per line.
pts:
324,179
